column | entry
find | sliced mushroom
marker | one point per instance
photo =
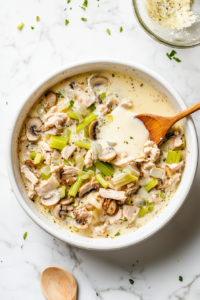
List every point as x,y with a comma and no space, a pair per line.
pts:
107,154
88,188
58,213
92,130
67,201
96,80
111,143
51,99
50,199
33,128
61,209
110,206
82,218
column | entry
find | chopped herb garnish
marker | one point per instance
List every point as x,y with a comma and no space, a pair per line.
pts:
126,142
141,84
86,91
32,27
117,234
113,75
121,29
65,9
20,26
84,19
97,294
68,1
108,31
176,59
173,53
83,7
71,103
66,22
180,278
50,212
27,146
131,138
85,3
22,246
37,18
6,103
131,281
68,216
25,235
70,8
102,96
72,204
60,95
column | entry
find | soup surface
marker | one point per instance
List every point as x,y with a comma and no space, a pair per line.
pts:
87,163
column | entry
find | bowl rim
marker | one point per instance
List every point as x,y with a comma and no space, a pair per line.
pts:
77,242
156,37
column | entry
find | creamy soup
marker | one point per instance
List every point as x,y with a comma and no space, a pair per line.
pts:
87,163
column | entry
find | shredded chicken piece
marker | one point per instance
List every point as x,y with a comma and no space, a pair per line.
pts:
123,162
175,142
155,196
56,120
68,151
112,194
46,150
116,218
89,158
86,96
47,186
29,175
83,218
126,103
129,191
130,213
151,150
104,109
148,165
172,182
101,230
172,168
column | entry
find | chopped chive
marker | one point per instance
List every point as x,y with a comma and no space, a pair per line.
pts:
177,59
85,3
180,278
68,1
70,8
27,146
131,281
71,103
84,19
37,18
141,84
20,26
66,22
83,7
173,52
92,108
32,27
97,294
68,216
25,235
108,31
131,138
117,234
121,29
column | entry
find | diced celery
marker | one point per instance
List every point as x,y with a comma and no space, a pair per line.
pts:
75,187
58,142
72,115
93,168
63,107
102,181
151,184
85,175
38,158
67,133
61,191
86,131
162,195
92,108
129,201
33,155
102,96
79,160
142,212
91,117
83,144
110,118
45,172
123,179
150,206
173,157
105,168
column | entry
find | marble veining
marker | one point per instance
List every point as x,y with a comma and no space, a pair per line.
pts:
28,55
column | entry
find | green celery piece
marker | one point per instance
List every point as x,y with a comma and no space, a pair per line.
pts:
102,96
126,179
151,184
102,181
75,187
44,176
58,142
83,144
173,157
142,212
61,191
33,155
66,162
150,206
45,172
129,201
91,117
93,168
105,168
86,131
72,115
92,108
38,158
162,195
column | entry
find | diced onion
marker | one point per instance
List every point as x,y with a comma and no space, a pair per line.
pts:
143,181
54,182
79,160
96,148
69,94
157,172
132,171
79,115
82,109
63,106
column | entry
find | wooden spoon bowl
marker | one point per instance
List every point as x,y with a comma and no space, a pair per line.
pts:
58,284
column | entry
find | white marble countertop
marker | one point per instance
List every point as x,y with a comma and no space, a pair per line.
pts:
25,57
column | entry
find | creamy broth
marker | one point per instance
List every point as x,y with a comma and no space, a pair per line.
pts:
118,127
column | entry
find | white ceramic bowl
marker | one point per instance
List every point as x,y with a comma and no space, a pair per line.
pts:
150,228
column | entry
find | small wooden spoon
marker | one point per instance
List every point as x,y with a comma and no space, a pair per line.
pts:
58,284
158,126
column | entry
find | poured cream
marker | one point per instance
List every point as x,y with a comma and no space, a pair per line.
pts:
127,132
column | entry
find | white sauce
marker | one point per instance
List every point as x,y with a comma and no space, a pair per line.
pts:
129,133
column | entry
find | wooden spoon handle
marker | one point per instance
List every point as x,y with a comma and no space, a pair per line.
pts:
186,112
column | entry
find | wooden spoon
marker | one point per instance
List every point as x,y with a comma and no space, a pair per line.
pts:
158,126
58,284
